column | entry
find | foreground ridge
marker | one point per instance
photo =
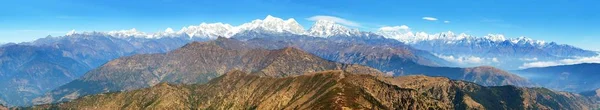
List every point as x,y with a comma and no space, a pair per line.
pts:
334,89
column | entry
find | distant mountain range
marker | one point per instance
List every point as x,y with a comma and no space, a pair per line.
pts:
573,78
334,89
493,49
462,49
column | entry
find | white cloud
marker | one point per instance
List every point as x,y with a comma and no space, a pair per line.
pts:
430,18
529,59
468,60
495,60
334,19
446,22
594,59
394,28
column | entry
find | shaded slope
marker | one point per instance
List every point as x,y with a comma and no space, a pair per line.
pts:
330,90
195,63
593,94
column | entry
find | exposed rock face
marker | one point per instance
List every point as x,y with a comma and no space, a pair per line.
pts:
335,89
195,63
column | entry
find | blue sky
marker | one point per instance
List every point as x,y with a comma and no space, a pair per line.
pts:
572,22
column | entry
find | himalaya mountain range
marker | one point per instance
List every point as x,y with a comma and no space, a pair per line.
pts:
58,69
462,49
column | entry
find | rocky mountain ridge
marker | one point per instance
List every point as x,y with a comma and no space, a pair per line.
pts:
334,89
196,62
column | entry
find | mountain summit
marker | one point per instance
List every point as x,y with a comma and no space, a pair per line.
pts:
325,28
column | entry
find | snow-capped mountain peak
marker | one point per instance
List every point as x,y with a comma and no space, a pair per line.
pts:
495,37
128,33
321,28
70,32
399,33
212,30
169,30
450,37
525,40
273,24
325,28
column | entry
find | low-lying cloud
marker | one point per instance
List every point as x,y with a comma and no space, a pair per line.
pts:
395,28
529,59
594,59
468,60
334,19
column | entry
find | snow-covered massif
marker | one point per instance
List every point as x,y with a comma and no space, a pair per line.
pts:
408,37
324,28
321,28
491,49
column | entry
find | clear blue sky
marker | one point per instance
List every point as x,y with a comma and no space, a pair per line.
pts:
572,22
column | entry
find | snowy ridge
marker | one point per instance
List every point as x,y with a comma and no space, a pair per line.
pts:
321,28
271,24
408,37
212,30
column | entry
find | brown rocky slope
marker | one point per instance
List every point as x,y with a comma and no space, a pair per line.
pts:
196,62
334,89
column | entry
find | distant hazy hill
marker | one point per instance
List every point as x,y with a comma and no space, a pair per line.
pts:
330,90
196,62
574,78
30,69
593,94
